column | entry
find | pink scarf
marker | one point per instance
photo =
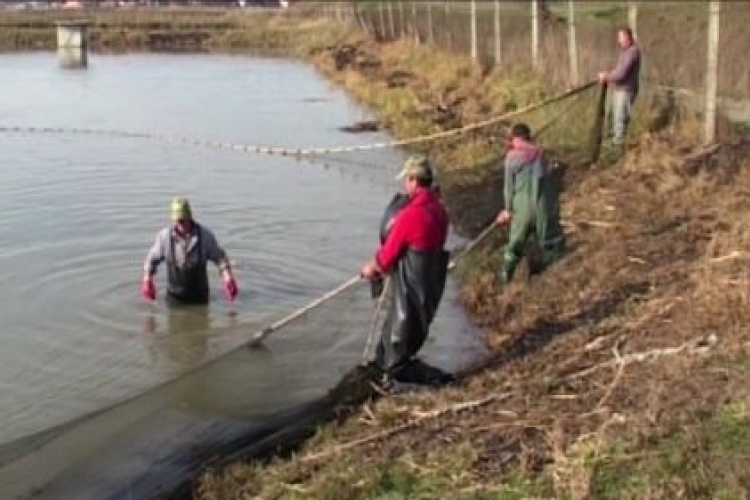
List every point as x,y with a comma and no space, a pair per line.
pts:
524,149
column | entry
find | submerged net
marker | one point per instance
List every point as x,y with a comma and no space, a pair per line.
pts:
152,445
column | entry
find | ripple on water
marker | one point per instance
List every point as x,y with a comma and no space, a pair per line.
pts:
79,213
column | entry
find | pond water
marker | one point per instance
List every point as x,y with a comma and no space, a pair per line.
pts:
80,211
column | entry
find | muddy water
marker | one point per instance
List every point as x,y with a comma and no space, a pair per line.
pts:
79,212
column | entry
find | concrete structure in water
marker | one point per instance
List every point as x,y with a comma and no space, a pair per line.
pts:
73,43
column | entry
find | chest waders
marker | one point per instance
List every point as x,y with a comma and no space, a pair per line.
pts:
418,283
188,284
536,210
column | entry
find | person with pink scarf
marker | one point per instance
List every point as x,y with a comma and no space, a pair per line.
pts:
531,198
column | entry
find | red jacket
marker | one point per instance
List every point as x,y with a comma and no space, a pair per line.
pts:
421,225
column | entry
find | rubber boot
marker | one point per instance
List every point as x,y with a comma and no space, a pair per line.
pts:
506,274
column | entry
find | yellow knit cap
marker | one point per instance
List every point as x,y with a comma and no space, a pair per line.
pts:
181,209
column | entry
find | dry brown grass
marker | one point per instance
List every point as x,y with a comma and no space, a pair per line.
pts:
673,37
292,33
639,331
662,265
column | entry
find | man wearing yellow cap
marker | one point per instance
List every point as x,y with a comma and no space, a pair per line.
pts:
412,253
186,247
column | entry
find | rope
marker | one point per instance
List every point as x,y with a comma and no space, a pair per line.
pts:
279,151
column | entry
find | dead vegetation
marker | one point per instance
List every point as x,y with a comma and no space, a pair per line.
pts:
641,330
186,29
619,373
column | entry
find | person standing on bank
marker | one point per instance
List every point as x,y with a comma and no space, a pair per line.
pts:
624,80
186,247
412,253
532,205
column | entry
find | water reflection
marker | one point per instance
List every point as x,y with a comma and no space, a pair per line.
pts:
184,343
72,57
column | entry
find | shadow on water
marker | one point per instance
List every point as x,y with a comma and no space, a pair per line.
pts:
137,453
235,406
156,444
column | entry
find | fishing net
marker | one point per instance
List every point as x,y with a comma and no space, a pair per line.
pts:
152,445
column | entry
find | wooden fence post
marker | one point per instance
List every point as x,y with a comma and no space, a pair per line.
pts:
354,12
430,27
633,18
415,26
572,44
381,16
368,18
391,22
535,34
401,19
498,38
712,70
448,32
474,51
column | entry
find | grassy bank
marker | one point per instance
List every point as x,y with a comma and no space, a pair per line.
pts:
173,29
620,373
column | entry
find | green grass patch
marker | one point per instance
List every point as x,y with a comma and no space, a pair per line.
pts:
444,474
705,459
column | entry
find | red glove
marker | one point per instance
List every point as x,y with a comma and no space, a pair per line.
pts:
148,290
230,288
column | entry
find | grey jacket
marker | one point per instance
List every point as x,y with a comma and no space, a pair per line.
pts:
184,249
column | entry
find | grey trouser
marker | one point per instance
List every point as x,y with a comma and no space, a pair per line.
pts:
622,104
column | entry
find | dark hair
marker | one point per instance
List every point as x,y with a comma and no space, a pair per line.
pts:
424,181
627,31
521,130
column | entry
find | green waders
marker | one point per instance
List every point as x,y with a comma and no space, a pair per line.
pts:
536,209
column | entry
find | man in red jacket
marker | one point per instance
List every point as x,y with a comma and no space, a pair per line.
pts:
412,254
